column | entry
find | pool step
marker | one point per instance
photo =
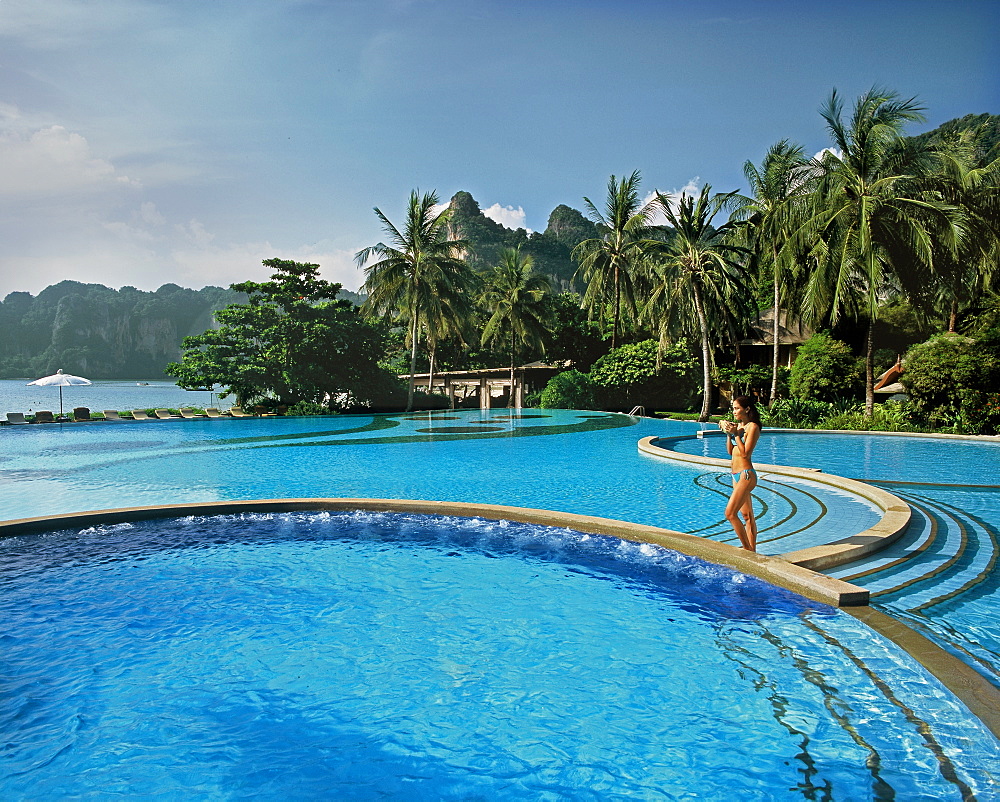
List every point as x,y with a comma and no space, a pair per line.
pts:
943,554
789,516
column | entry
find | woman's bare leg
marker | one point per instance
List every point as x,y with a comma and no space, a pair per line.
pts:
739,500
751,522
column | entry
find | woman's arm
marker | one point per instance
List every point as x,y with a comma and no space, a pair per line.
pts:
745,440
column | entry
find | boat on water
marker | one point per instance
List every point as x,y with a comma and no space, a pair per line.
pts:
142,384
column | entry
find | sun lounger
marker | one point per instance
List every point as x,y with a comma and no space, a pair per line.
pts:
140,414
213,412
112,414
188,412
237,412
81,413
16,418
44,416
164,414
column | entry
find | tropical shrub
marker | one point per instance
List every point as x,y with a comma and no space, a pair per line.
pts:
892,416
824,369
628,376
533,400
752,380
568,390
953,381
795,413
307,408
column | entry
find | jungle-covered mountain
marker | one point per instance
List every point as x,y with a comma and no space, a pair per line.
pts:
986,128
101,333
551,249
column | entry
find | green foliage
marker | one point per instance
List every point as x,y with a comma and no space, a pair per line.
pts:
307,408
754,380
699,288
824,369
514,294
955,381
293,341
572,336
632,374
610,262
420,277
841,414
985,126
533,400
569,390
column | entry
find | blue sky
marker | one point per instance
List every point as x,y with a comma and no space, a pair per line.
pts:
152,141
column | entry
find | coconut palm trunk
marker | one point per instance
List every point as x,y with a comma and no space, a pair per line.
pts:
510,399
775,331
706,356
870,369
413,360
432,346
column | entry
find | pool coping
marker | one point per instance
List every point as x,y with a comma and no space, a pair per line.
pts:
895,513
776,570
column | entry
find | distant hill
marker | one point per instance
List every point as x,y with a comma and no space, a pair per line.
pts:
551,249
986,125
102,333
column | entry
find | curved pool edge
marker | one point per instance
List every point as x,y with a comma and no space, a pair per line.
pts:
895,513
979,696
775,570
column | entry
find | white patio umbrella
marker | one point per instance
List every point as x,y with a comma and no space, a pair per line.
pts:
60,380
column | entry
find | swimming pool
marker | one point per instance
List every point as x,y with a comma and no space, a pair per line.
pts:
577,462
584,463
356,655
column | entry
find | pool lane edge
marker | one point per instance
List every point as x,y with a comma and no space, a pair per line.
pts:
895,513
775,570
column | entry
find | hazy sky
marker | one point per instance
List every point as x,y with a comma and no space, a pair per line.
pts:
152,141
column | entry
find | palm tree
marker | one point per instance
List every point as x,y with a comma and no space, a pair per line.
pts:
608,264
515,294
780,189
966,180
875,229
699,285
418,275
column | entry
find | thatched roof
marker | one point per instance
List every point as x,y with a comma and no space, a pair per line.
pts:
791,331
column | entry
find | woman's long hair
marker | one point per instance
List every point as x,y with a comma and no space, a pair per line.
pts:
750,405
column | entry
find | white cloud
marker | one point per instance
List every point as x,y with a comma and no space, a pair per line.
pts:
53,161
149,214
222,266
674,195
833,151
195,232
506,216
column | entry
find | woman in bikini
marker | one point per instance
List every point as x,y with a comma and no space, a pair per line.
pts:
741,437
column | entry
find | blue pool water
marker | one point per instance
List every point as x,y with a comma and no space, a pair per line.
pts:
825,702
364,655
578,462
